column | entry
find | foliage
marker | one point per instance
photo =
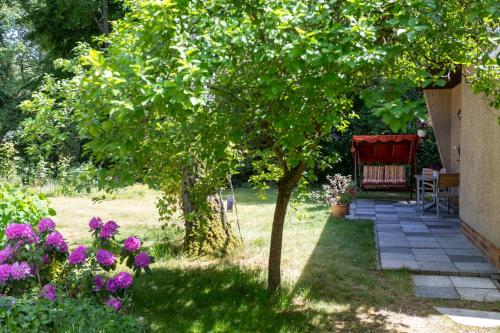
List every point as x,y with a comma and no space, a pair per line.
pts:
65,315
39,260
58,25
335,191
18,205
268,80
19,69
7,160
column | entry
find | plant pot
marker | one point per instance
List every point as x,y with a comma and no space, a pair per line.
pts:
422,133
340,211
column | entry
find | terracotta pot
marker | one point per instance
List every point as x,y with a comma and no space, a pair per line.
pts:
340,211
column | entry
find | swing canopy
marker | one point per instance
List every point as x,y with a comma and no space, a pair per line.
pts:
385,149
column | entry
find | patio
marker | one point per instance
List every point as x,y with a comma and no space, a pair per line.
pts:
424,244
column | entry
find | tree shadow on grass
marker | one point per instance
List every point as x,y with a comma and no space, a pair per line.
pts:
230,299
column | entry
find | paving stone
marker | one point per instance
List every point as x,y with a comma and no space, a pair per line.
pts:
428,251
416,234
432,257
488,319
462,258
474,267
431,280
465,252
386,221
421,239
401,250
480,295
436,292
434,268
443,231
399,264
472,282
397,256
424,244
395,243
454,244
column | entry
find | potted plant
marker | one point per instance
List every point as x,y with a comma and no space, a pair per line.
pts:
422,129
337,194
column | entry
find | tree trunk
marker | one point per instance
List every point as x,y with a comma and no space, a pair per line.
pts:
286,185
105,17
207,231
274,273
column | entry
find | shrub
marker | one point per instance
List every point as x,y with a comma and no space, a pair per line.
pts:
17,205
38,259
65,315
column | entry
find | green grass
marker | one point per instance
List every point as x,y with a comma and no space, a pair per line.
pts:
330,280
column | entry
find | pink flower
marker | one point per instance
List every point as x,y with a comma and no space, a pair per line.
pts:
4,272
132,244
142,260
56,240
6,254
46,225
114,303
21,232
105,258
78,255
108,230
98,283
95,223
46,259
124,280
20,271
111,285
48,292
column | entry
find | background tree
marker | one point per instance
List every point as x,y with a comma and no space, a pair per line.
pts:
268,80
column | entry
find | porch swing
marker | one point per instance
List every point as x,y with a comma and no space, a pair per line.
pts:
384,162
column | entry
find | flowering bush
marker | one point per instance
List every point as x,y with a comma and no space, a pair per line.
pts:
336,191
39,259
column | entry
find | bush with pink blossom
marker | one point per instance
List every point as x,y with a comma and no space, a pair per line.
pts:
40,259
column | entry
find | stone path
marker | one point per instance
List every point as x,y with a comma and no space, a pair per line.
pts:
423,244
472,317
456,287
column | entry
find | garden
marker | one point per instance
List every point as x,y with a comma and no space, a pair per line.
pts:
186,166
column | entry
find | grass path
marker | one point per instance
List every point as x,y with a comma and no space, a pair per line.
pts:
331,283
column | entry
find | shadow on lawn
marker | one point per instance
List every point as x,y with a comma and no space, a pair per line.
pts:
229,299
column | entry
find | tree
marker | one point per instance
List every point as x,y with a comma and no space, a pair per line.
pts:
57,26
269,80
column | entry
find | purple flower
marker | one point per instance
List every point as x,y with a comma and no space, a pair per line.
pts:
20,271
46,225
95,223
98,282
46,259
132,244
108,230
78,255
105,258
22,232
111,285
56,240
48,292
6,254
4,272
124,280
142,260
114,303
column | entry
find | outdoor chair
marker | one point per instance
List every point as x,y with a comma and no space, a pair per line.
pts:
428,187
448,184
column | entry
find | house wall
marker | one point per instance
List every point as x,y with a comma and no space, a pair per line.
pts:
480,166
443,105
477,136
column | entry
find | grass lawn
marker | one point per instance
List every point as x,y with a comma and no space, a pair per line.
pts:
331,283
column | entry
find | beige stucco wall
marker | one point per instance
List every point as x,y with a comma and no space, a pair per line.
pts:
480,165
443,105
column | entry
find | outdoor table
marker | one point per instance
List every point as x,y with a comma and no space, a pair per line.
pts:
420,179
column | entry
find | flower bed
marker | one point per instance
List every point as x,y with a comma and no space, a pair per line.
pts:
37,259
